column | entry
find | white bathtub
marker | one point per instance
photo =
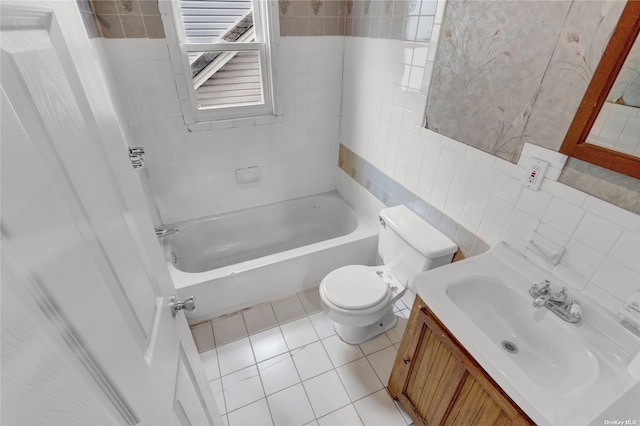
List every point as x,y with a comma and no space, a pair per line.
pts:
243,258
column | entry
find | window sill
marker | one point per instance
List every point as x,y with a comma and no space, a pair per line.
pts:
204,126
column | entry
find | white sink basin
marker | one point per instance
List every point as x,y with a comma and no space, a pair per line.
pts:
562,373
551,354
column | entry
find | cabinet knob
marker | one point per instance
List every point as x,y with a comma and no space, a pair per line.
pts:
406,361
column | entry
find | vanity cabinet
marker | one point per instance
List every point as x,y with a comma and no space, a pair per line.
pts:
437,381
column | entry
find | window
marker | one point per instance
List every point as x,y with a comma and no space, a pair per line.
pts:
224,54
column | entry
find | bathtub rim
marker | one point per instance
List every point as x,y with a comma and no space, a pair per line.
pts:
181,279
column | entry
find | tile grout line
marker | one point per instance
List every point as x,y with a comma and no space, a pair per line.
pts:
290,355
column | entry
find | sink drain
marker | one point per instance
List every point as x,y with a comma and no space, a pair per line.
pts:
509,347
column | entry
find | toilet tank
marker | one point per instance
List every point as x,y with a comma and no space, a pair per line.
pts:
408,245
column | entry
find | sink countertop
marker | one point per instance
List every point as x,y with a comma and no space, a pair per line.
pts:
606,344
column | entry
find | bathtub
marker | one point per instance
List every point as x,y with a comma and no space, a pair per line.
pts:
243,258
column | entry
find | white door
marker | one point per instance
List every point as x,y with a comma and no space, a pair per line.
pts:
87,332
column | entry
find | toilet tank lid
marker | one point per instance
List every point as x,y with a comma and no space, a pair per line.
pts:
425,238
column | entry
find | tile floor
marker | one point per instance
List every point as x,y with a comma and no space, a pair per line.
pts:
281,363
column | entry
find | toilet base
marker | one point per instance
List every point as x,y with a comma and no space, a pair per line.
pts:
357,335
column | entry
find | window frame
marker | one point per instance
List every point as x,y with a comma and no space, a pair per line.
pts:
266,29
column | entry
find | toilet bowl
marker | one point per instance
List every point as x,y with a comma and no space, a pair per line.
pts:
360,299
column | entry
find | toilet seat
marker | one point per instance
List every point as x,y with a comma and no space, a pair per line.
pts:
354,287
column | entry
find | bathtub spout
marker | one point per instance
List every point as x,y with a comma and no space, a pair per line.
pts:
163,232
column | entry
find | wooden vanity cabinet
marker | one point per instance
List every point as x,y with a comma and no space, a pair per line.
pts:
438,382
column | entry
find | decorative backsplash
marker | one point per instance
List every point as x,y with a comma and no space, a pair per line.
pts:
390,19
311,17
122,18
410,20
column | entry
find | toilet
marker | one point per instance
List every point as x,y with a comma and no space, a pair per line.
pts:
359,299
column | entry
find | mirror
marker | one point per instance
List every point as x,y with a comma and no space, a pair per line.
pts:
611,100
617,126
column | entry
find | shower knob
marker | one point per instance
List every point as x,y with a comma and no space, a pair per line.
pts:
189,305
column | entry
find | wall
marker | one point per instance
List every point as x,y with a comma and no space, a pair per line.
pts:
192,174
537,112
514,72
472,196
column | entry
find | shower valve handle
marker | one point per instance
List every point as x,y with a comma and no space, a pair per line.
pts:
189,305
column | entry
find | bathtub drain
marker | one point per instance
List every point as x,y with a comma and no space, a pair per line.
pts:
509,347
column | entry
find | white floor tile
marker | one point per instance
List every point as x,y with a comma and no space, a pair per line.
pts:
311,301
218,394
340,352
309,375
210,364
234,356
278,373
260,318
374,345
288,309
311,360
242,387
382,362
256,413
379,409
359,379
268,343
326,393
290,407
395,334
229,329
346,416
399,305
322,324
299,333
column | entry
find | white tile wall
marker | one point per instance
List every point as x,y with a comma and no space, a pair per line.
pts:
477,198
192,174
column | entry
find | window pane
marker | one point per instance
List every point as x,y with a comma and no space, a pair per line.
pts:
209,21
233,79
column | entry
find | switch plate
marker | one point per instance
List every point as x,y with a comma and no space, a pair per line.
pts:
535,174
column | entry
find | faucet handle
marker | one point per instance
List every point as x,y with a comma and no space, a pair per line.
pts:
575,310
544,289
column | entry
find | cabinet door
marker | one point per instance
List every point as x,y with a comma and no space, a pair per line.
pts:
474,405
426,373
438,382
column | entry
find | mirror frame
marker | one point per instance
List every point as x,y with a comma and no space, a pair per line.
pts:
574,144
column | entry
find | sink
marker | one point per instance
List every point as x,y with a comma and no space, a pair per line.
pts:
556,371
547,351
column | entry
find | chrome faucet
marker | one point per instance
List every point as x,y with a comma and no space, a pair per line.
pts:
556,302
163,232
